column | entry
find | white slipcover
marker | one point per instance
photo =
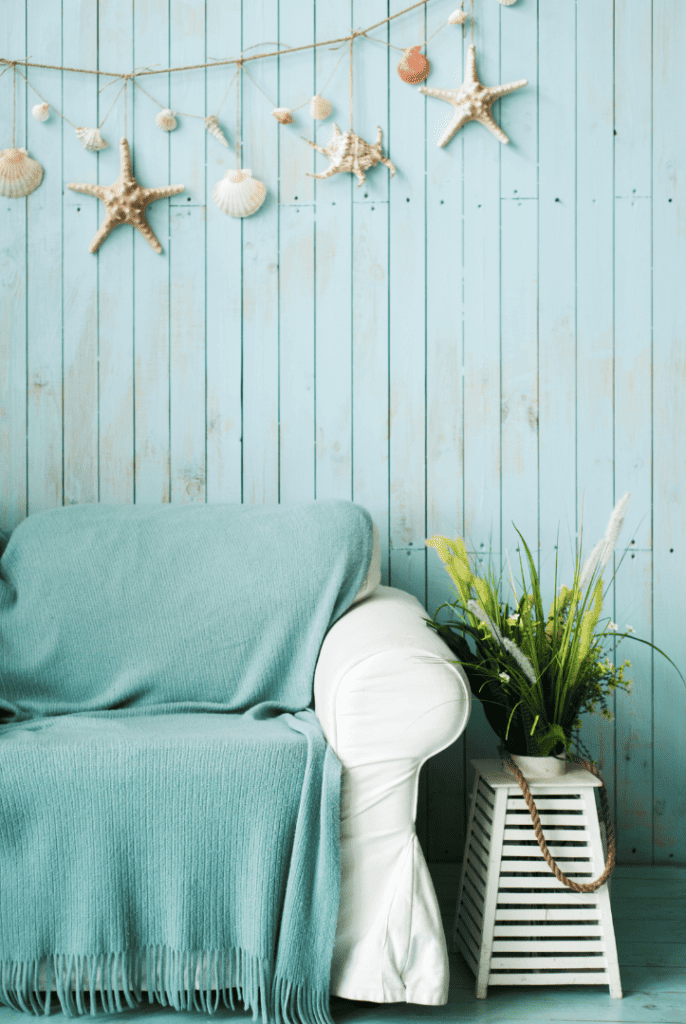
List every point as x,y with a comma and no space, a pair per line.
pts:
388,698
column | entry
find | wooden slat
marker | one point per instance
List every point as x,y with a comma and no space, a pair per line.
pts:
563,896
517,818
544,804
548,914
475,881
514,850
534,882
551,962
474,894
568,866
530,930
552,978
559,945
551,834
471,929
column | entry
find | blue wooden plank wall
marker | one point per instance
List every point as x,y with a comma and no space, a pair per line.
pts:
494,335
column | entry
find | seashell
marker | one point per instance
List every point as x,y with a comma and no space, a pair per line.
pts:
212,126
91,139
239,194
41,111
166,120
413,66
458,17
19,174
320,108
283,115
506,3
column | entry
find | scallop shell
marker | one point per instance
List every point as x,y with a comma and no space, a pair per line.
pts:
283,115
458,17
91,139
19,174
320,108
239,194
41,111
413,66
166,120
212,126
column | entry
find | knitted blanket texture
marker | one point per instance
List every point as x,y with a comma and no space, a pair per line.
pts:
170,808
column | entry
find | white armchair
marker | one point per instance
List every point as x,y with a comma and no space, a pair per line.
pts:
388,698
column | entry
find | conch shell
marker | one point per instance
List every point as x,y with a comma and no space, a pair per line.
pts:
19,174
91,139
239,194
283,115
212,126
320,108
458,17
166,120
41,111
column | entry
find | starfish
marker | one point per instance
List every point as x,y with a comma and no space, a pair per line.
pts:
348,152
472,101
125,201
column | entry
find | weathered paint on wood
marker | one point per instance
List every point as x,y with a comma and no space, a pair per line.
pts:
496,334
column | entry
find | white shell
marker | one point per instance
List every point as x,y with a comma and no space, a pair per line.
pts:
239,194
166,120
41,111
320,108
19,174
458,17
506,3
212,126
283,115
91,139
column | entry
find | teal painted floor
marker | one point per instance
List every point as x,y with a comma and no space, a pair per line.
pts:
649,911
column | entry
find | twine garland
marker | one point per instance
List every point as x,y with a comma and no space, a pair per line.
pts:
607,820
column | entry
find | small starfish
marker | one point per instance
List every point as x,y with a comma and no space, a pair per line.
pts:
348,152
472,101
125,201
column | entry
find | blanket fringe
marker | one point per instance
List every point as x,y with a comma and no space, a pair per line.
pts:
111,976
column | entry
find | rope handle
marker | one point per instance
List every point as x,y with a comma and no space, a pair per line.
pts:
607,820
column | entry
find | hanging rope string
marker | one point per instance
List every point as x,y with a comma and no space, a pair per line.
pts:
472,24
216,63
238,115
14,105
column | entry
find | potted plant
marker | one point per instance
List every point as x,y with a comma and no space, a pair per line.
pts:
535,672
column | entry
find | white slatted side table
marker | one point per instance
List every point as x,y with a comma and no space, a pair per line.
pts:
515,923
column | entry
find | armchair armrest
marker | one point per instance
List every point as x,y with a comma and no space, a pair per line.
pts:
388,696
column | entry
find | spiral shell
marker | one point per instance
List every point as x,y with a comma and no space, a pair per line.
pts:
458,17
19,174
91,139
413,66
41,111
166,120
212,126
239,194
320,108
283,115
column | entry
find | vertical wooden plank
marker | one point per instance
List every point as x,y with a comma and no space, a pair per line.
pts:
151,296
557,287
187,256
482,320
116,269
296,376
598,484
13,312
517,113
633,122
370,366
333,277
445,774
44,285
296,85
407,302
261,269
519,373
634,714
224,277
669,390
82,216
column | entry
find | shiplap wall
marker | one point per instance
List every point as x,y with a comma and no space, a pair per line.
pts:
494,335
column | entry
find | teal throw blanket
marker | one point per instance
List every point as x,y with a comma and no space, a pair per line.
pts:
170,808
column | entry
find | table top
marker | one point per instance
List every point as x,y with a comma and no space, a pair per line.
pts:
496,777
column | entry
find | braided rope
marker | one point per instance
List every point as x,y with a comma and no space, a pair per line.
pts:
605,810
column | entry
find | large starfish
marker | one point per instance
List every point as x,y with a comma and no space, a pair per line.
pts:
125,201
472,101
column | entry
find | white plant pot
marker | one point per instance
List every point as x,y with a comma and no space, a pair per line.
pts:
537,767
